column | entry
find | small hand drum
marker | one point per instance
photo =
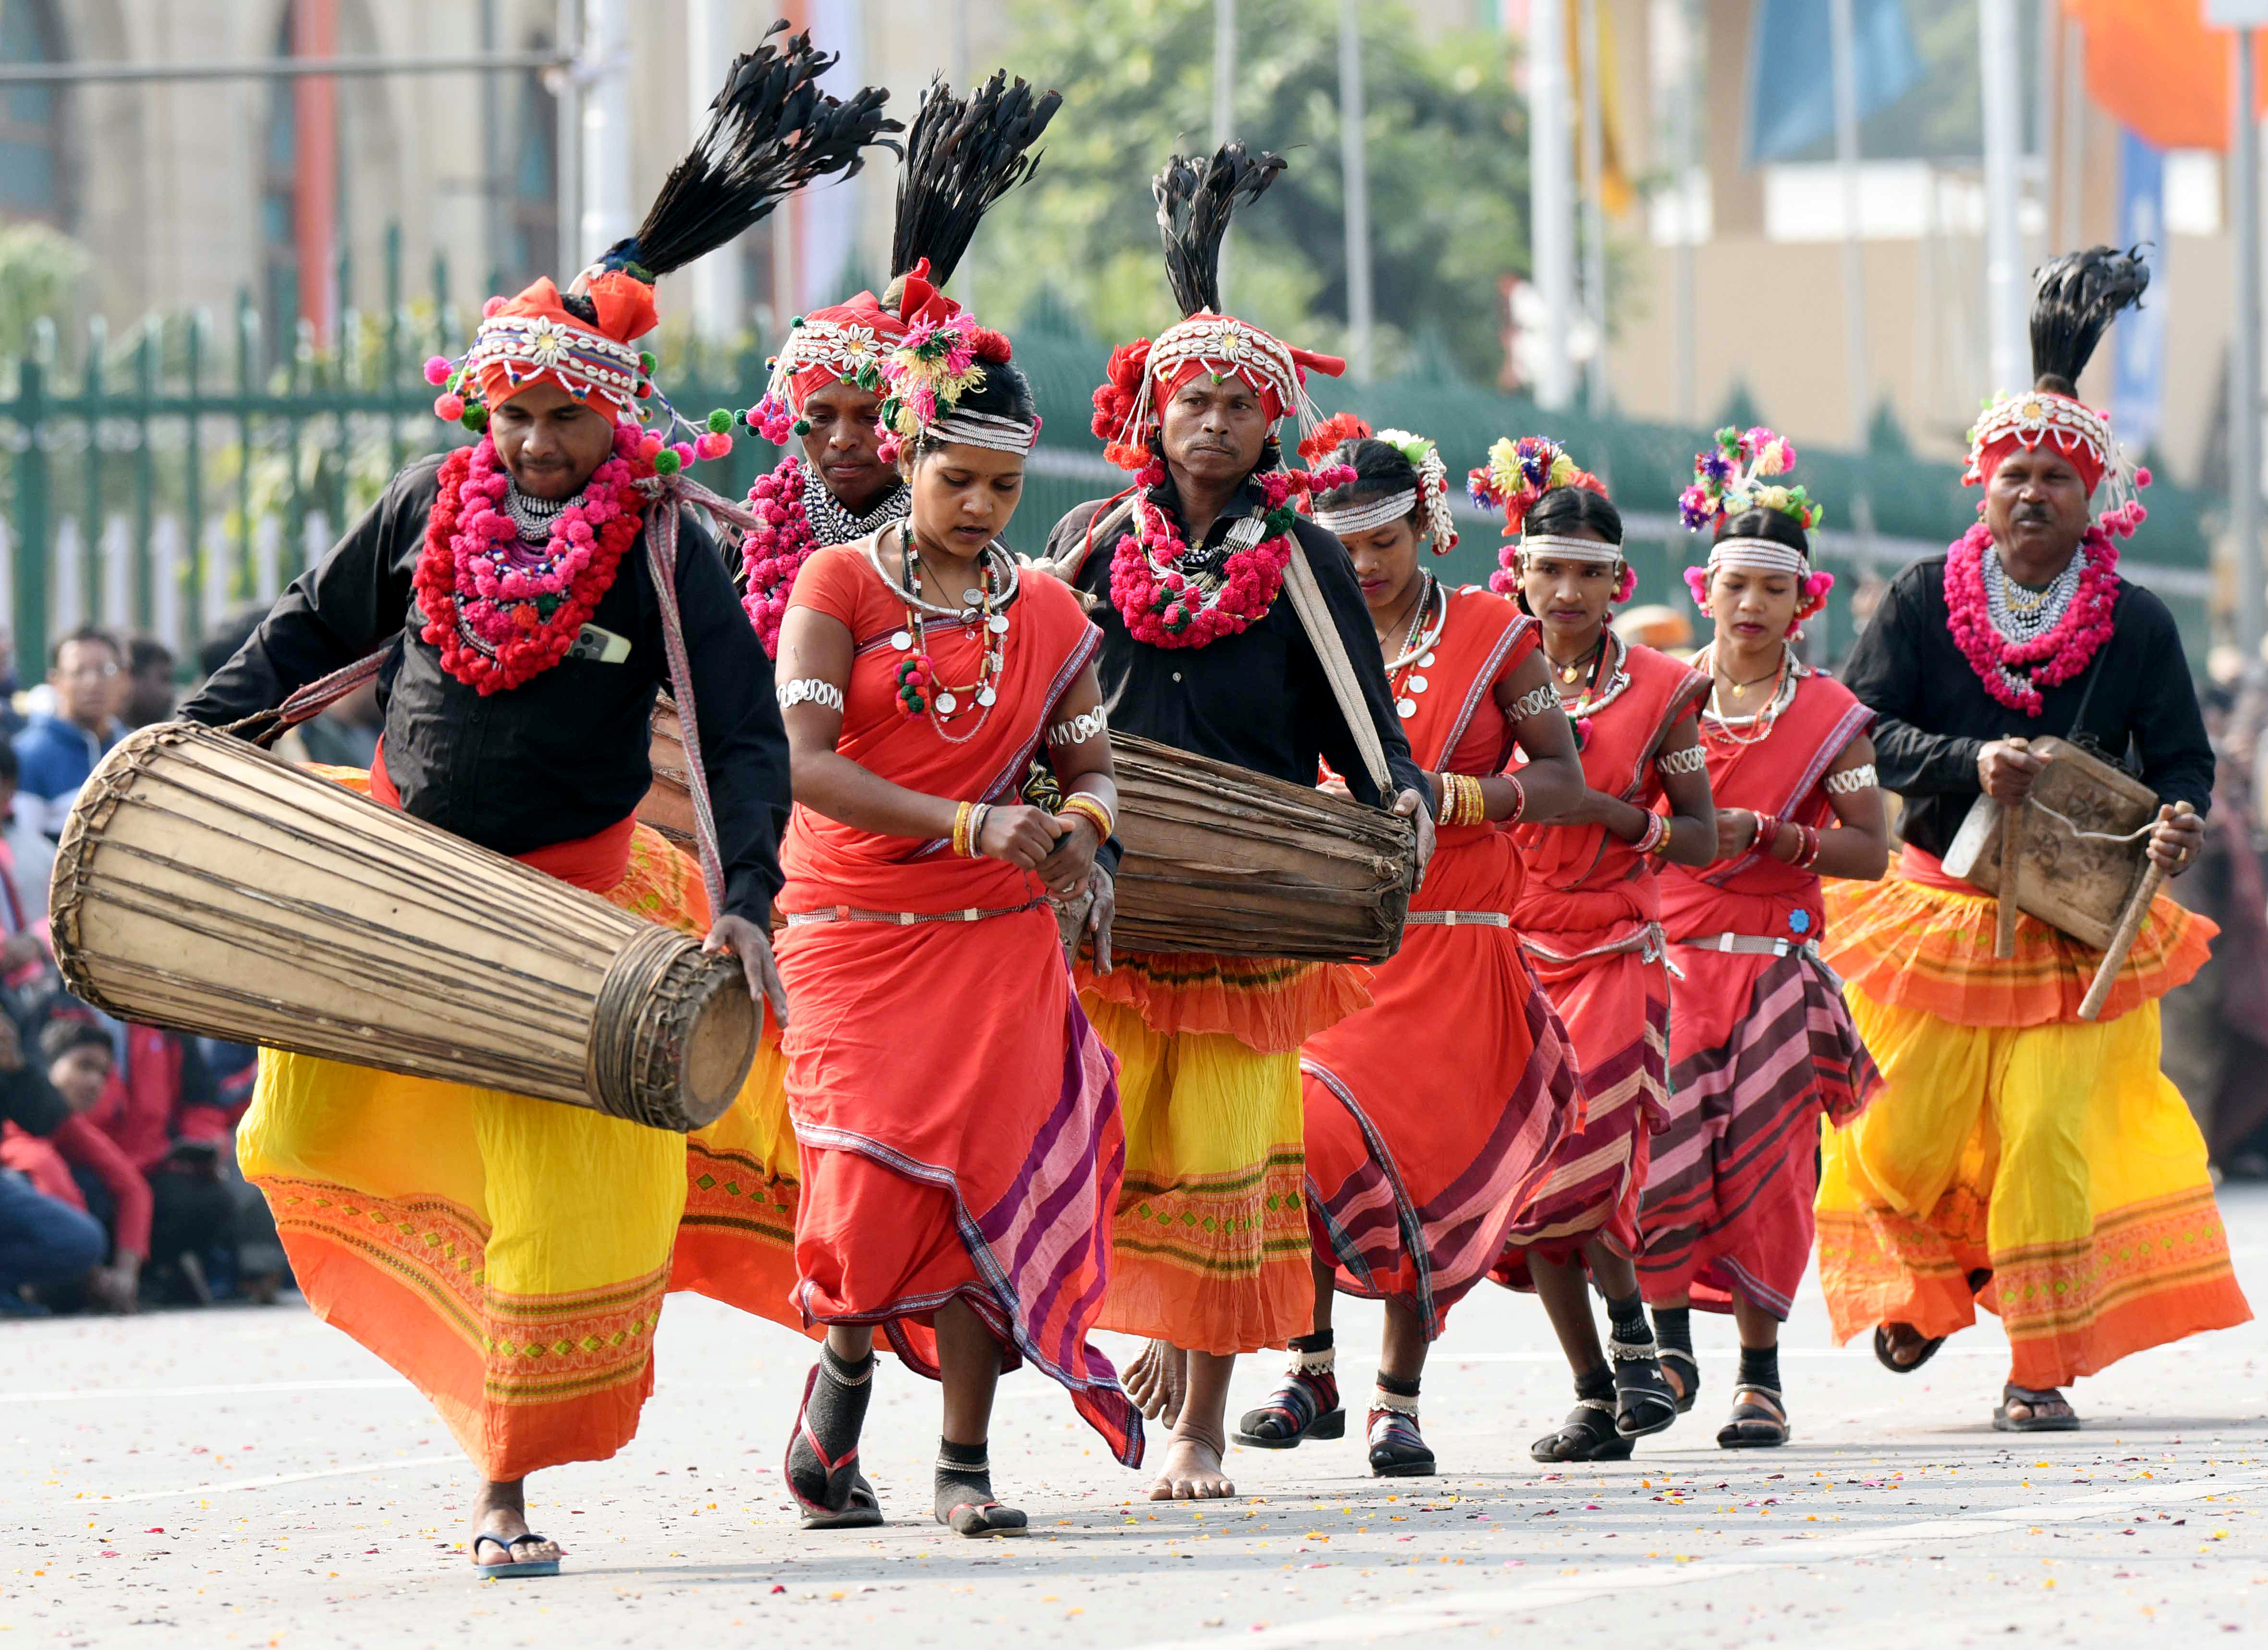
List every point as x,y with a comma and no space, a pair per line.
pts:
2080,858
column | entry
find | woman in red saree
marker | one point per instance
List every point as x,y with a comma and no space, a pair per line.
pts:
1420,1150
957,1119
1761,1045
1589,917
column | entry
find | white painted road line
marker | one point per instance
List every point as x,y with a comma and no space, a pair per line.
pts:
281,1477
1493,1605
119,1395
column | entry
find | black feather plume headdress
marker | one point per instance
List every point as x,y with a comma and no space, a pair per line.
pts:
1196,200
961,156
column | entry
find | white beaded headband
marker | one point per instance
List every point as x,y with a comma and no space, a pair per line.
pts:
1362,518
1568,548
985,429
1763,555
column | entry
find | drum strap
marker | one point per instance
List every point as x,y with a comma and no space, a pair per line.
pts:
670,494
1309,601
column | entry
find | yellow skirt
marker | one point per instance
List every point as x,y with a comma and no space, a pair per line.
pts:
508,1255
2055,1158
1209,1245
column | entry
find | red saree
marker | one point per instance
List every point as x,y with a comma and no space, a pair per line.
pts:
957,1119
1761,1044
1590,917
1421,1146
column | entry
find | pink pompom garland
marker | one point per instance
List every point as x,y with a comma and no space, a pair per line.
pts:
775,552
2014,673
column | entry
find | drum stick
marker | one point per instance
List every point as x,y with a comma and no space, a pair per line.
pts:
2012,859
2130,926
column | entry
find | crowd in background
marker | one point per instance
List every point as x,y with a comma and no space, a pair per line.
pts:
118,1181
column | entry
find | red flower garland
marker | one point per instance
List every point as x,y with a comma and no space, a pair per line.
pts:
1165,608
2058,655
496,622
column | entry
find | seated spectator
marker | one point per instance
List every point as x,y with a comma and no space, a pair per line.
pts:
27,860
160,1108
78,1163
149,691
61,748
45,1240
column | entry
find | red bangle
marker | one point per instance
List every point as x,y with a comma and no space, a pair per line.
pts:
1766,841
1807,851
1519,801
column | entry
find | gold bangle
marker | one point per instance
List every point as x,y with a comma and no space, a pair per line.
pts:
961,829
1091,808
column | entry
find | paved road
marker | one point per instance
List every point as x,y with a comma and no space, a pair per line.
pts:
250,1478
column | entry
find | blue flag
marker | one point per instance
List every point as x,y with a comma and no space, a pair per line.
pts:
2138,394
1792,71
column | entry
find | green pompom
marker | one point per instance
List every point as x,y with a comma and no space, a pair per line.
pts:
802,426
648,361
476,417
667,463
720,420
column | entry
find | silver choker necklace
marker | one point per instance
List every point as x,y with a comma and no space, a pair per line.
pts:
533,517
832,523
2024,615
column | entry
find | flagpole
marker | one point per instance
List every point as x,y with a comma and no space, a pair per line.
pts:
2244,353
1551,186
1594,220
1354,163
2009,353
1224,101
1687,312
1844,50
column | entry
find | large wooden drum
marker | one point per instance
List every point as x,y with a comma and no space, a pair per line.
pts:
1219,859
2078,858
205,886
668,805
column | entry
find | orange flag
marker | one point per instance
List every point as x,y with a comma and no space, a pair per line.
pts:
2156,67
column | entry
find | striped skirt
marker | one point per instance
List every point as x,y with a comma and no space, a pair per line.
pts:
1761,1048
1613,998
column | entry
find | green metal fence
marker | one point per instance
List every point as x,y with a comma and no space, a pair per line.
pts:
155,480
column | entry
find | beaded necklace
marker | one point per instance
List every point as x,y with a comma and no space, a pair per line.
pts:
1716,725
919,689
1589,701
1417,646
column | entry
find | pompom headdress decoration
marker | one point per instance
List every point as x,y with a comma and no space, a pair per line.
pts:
1430,497
770,132
925,378
1517,474
962,155
1197,199
1735,478
2074,299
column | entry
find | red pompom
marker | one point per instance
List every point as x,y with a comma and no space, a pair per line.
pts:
1589,484
989,345
1326,436
1121,390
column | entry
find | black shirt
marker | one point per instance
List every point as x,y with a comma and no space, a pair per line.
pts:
1934,714
1259,698
564,755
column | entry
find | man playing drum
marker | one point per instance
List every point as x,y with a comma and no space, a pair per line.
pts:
2021,1156
508,1255
1204,650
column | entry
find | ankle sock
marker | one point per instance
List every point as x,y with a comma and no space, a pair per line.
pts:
965,1502
1314,1365
1673,1328
837,1411
1596,1383
1760,1367
1394,1394
1626,1319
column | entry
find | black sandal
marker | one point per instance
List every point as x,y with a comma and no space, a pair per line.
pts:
1397,1449
1588,1434
1684,1375
1759,1419
1644,1401
2033,1398
1883,1349
1293,1413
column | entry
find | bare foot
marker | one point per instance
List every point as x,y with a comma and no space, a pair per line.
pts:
1192,1471
1157,1380
500,1515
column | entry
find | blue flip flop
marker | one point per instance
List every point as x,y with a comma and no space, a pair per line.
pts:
512,1569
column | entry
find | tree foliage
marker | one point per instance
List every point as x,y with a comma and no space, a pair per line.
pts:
1447,148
